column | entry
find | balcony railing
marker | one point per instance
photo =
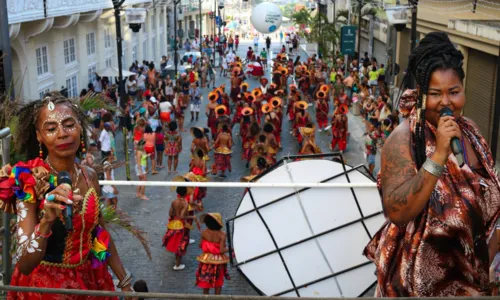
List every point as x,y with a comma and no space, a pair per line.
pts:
31,10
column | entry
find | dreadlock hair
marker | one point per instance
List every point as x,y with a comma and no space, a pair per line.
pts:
434,52
25,139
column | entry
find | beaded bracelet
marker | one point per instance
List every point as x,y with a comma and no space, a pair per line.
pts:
125,281
39,234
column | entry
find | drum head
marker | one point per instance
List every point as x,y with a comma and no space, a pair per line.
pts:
307,242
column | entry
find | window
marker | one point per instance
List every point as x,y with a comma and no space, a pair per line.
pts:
145,49
107,38
134,53
90,43
109,62
92,70
43,92
72,86
42,61
69,51
154,49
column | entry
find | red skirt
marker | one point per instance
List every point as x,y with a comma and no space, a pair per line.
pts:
223,161
82,278
211,276
176,241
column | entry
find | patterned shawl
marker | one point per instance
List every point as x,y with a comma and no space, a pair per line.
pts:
443,251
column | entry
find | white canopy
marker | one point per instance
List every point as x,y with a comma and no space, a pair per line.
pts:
113,72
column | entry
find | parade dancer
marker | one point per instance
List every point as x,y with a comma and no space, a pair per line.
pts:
235,84
173,146
210,113
272,145
237,115
200,141
322,109
222,151
340,128
302,117
278,120
213,262
176,239
222,119
257,95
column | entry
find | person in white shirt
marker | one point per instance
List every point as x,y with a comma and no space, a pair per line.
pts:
256,42
195,45
105,140
141,84
132,87
97,84
230,57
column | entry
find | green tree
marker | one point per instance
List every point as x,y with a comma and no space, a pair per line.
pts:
302,18
324,34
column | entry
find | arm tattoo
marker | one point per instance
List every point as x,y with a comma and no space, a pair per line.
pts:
399,178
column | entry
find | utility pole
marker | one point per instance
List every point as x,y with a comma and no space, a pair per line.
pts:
414,3
201,27
176,57
121,85
360,4
5,50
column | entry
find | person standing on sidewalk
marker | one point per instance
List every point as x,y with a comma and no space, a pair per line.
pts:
194,101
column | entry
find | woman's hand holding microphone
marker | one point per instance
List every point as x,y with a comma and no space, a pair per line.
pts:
446,130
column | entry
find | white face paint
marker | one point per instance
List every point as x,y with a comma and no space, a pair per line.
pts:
56,120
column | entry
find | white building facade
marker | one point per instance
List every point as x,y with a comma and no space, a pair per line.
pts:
62,44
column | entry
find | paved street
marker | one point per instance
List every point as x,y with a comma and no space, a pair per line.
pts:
152,215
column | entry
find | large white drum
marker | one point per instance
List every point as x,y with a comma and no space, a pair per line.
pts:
307,242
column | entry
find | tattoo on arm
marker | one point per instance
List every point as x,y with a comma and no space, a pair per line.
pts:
399,179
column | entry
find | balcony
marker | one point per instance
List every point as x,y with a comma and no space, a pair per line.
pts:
30,10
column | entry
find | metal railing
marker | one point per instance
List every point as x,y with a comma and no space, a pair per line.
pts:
204,297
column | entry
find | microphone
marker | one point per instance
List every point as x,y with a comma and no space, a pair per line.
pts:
65,178
456,146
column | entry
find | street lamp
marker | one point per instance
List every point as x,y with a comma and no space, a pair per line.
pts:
176,58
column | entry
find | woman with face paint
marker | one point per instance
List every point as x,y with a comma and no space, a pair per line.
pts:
51,136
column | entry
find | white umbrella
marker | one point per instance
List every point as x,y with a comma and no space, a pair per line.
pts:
113,72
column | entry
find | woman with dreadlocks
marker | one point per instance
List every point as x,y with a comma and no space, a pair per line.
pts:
438,240
54,251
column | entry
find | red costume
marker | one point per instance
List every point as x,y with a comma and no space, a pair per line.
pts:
322,114
212,121
176,239
72,260
339,135
213,266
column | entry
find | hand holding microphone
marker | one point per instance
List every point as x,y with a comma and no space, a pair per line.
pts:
59,200
448,137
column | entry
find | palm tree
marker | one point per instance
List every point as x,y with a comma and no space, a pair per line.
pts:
302,18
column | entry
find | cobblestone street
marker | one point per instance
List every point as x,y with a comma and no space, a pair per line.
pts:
152,216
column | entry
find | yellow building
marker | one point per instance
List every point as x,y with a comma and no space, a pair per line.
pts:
474,27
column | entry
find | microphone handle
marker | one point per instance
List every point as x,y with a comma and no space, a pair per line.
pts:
68,214
456,148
